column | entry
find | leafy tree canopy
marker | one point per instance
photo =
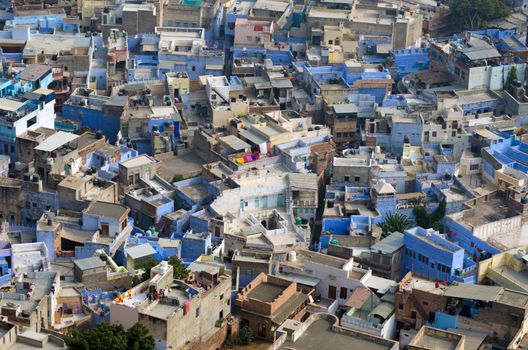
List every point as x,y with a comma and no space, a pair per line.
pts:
180,271
394,222
146,266
433,220
474,14
246,335
111,337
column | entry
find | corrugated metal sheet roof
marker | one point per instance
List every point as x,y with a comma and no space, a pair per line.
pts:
253,137
474,292
384,310
89,263
56,140
389,244
345,108
140,251
234,142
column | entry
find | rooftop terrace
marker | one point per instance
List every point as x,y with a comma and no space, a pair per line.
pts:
321,335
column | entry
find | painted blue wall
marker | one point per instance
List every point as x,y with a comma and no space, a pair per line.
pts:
193,246
93,119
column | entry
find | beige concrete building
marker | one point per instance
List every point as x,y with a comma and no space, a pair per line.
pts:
192,312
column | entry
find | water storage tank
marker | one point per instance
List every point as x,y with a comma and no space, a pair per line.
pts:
164,266
292,255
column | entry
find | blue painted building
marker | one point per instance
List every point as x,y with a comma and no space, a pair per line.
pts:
410,61
110,170
194,245
429,255
164,247
28,103
405,128
349,78
358,224
101,113
46,24
194,193
504,152
463,237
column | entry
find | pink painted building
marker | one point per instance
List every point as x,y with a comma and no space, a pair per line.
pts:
252,32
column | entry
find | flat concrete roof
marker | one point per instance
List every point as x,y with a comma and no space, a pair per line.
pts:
320,335
106,209
10,105
432,342
266,292
138,161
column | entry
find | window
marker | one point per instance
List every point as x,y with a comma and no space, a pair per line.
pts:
453,133
31,121
343,293
413,315
221,296
400,306
138,128
434,134
474,167
347,178
330,42
197,312
34,204
356,178
249,38
194,68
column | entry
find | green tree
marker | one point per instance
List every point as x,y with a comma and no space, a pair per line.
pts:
512,76
146,266
179,269
138,338
246,335
433,220
111,337
475,14
394,222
